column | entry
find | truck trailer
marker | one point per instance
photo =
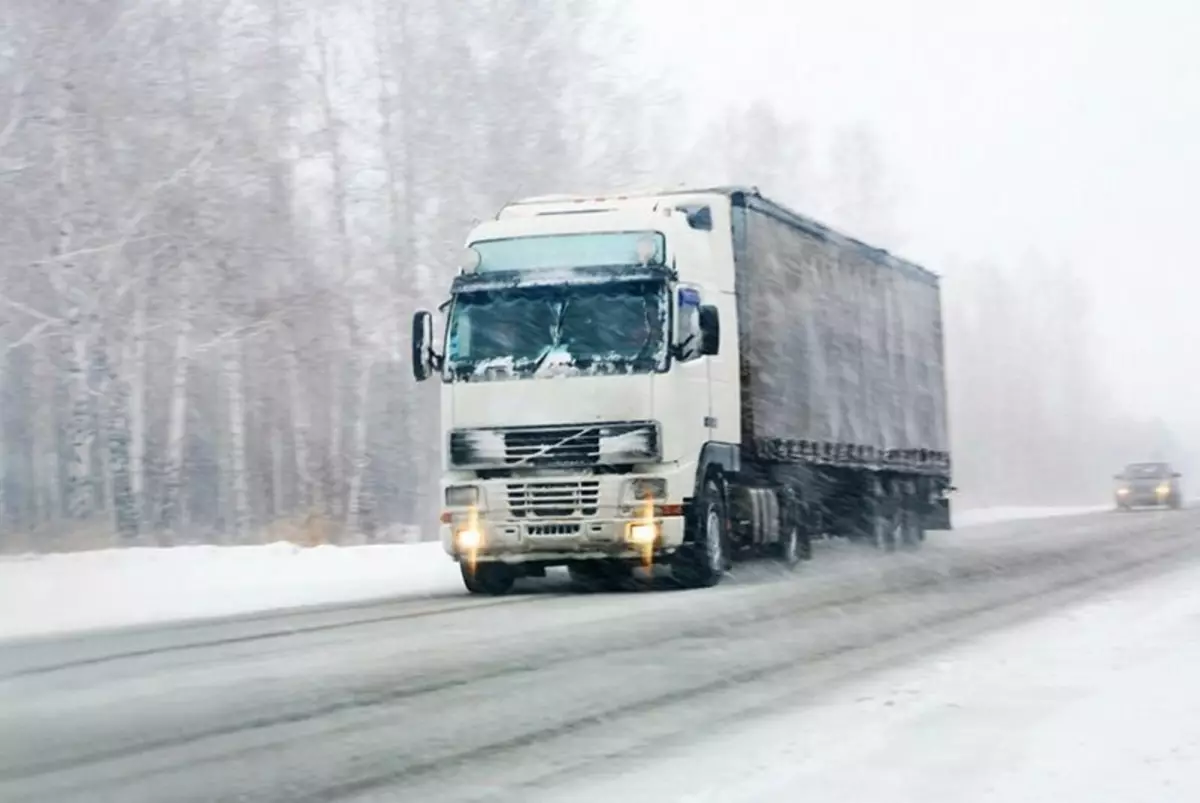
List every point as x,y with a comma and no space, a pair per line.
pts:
678,379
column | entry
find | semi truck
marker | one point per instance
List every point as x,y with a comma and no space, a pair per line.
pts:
679,379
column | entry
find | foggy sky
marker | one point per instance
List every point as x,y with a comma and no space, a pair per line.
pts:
1066,127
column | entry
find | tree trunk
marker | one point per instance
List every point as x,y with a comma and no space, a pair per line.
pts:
4,514
278,506
48,491
309,495
79,470
136,360
126,516
359,465
172,508
238,479
342,348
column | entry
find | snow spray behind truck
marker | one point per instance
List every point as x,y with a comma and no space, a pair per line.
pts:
679,379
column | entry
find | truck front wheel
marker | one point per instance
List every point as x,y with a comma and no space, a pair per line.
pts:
493,579
702,563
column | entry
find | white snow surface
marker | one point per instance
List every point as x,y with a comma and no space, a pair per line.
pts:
1098,703
60,593
996,515
74,592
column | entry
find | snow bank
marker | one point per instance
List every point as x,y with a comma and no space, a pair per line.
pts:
42,594
47,594
996,515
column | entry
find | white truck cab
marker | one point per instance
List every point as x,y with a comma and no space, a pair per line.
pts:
582,376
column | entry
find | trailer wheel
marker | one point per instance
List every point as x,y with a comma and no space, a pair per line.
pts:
795,543
702,564
493,579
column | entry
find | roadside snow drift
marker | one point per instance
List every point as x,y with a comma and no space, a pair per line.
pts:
60,593
46,594
996,515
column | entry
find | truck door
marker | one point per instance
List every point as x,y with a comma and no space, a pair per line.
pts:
694,385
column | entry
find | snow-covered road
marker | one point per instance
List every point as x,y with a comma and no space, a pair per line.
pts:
1017,661
1098,702
74,592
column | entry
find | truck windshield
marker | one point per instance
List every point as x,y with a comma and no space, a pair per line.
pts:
611,328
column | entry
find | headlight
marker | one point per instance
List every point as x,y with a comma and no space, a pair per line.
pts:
642,534
462,496
639,489
1122,492
1163,490
468,539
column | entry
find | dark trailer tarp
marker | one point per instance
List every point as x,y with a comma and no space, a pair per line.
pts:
841,347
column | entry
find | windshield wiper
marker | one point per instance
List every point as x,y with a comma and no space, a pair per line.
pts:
541,358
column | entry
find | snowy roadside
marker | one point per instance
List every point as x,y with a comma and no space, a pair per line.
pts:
1095,703
61,593
124,587
997,515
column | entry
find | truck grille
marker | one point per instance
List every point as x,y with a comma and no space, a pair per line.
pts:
561,445
553,499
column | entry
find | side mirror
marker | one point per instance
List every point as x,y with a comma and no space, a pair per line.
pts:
422,345
1176,475
710,330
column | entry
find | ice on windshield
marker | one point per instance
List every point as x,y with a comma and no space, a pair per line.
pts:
612,328
556,251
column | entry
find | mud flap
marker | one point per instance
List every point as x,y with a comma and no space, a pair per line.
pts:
937,515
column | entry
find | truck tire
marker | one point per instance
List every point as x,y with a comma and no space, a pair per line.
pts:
795,543
702,563
493,579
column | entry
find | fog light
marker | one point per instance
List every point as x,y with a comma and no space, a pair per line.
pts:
469,539
642,534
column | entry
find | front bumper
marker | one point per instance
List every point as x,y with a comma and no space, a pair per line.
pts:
560,541
1140,498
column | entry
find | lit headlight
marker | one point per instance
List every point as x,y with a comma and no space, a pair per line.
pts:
1122,492
639,489
1163,490
642,534
468,539
462,496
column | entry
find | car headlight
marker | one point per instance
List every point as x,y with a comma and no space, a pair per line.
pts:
462,496
1122,492
639,489
1163,490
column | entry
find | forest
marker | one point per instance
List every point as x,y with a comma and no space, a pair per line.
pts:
217,219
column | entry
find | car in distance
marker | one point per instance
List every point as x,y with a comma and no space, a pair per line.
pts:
1148,485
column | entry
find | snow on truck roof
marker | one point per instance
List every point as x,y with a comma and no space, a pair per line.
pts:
750,197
